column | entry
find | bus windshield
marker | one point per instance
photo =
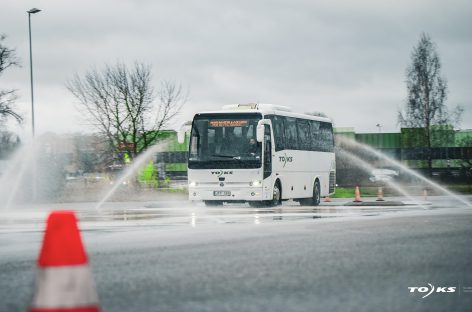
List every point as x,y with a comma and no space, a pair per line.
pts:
225,141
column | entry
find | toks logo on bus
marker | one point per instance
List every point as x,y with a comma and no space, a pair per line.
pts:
219,173
285,159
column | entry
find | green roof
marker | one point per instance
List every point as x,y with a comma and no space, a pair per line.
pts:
380,140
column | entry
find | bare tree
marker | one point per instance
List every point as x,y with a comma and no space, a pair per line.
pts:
8,59
427,93
124,107
8,143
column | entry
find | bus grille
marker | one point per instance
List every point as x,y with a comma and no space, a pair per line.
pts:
332,181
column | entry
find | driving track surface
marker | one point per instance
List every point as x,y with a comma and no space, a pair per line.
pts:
165,257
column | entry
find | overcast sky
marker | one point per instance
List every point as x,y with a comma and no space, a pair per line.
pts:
345,58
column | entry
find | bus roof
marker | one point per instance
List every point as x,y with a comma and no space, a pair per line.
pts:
266,109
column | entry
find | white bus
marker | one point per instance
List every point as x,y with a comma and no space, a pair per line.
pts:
261,154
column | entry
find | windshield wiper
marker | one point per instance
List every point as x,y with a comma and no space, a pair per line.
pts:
228,156
225,156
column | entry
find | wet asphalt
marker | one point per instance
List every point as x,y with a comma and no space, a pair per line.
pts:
172,256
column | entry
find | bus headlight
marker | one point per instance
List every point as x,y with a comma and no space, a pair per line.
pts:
256,183
192,184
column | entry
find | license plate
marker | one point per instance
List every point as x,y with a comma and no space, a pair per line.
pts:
221,193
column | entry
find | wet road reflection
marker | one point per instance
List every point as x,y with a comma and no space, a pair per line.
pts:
193,214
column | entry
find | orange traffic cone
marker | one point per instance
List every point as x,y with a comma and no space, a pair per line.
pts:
358,195
64,281
380,194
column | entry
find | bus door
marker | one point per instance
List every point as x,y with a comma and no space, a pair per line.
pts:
267,152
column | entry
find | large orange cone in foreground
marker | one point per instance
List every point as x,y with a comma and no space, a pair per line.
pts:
64,281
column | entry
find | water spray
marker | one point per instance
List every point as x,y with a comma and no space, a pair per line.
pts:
369,168
22,160
136,164
403,167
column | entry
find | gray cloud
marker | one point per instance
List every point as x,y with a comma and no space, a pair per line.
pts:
346,58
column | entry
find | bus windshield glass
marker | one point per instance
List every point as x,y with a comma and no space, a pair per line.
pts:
225,141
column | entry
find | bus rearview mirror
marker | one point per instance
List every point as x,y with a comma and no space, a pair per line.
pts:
181,136
181,133
260,133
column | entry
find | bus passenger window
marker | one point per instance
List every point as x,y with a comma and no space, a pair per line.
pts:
326,137
304,136
315,135
278,129
291,135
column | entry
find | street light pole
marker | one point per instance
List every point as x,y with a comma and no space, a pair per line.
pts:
35,190
32,11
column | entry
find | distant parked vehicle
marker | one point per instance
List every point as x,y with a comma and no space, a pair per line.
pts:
383,175
93,177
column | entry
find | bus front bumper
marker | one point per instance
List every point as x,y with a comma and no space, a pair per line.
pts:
226,194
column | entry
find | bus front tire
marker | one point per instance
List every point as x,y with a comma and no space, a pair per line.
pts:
276,196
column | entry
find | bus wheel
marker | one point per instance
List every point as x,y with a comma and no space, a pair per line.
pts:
316,194
315,199
276,195
212,203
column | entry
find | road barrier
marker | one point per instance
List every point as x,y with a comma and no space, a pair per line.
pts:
64,280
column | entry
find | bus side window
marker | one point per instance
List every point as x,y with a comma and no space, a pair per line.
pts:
196,140
277,127
315,135
194,146
304,137
326,137
329,137
291,135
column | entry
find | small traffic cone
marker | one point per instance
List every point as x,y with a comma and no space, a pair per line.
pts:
358,195
380,194
327,199
425,195
63,281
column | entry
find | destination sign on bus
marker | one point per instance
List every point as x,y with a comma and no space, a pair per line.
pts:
228,123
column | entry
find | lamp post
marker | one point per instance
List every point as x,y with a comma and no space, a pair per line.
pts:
380,127
32,11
